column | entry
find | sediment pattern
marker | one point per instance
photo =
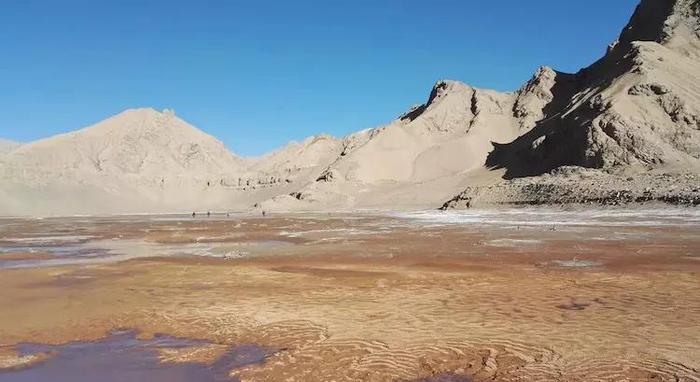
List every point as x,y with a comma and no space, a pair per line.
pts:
347,302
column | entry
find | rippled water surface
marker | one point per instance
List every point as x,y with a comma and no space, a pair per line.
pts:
122,357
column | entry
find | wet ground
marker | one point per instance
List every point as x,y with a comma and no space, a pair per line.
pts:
523,294
123,357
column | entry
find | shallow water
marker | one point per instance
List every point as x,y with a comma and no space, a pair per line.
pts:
520,288
109,251
122,357
90,241
609,217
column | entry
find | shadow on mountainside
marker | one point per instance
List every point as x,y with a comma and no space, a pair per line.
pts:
565,136
571,131
515,156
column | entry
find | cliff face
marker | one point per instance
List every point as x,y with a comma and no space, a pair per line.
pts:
673,23
637,106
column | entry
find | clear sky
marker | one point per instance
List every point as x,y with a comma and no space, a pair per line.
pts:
257,74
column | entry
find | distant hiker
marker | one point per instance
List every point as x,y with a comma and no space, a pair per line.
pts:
194,214
263,213
208,213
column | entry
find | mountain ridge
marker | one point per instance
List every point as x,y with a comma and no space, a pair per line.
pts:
624,129
7,145
634,112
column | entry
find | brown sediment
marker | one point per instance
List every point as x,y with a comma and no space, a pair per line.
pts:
18,256
410,303
326,272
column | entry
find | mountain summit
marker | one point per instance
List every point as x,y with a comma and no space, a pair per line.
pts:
140,159
141,142
673,23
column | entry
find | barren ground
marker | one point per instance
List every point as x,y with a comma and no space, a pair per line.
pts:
367,298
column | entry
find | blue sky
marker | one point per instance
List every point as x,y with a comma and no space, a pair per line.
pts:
257,74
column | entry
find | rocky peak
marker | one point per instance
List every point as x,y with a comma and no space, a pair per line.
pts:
537,88
142,142
674,23
320,139
541,96
138,121
440,90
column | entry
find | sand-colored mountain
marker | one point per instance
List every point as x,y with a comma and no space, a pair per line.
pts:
639,105
138,160
632,115
138,142
7,145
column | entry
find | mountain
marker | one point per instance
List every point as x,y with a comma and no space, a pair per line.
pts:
7,145
139,142
426,154
452,133
624,129
299,160
140,159
637,106
628,132
634,114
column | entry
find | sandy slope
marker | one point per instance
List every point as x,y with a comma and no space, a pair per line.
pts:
429,152
6,146
144,160
131,161
637,109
